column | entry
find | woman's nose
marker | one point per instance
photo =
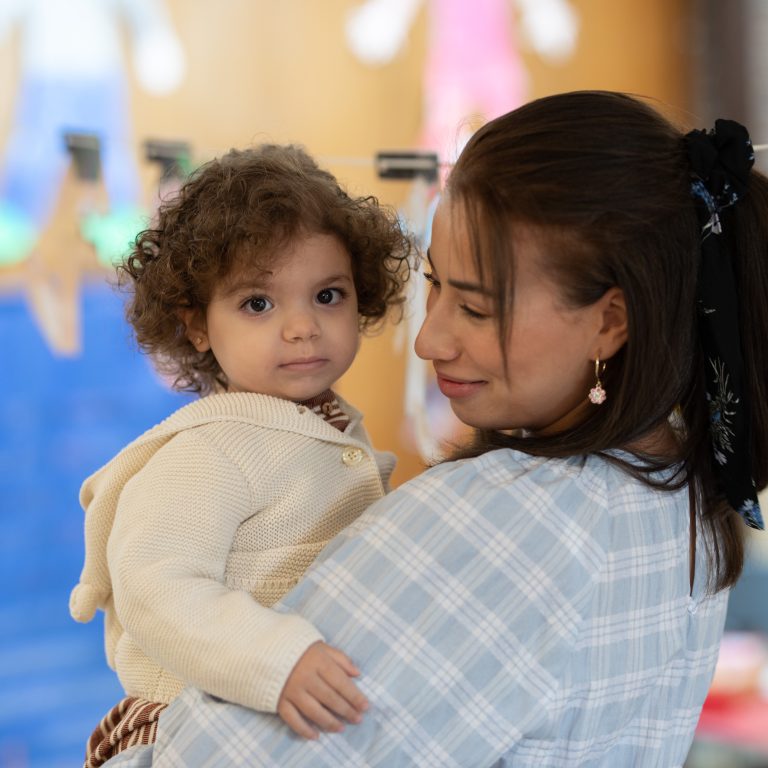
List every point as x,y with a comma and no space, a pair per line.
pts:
435,340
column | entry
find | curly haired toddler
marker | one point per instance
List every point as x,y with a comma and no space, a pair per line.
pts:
251,289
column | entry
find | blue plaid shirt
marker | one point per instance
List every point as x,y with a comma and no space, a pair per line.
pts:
506,610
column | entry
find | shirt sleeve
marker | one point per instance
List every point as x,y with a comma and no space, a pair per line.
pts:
167,554
459,595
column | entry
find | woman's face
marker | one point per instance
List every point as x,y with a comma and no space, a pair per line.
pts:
550,347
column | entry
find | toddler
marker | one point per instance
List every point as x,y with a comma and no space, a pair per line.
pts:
251,290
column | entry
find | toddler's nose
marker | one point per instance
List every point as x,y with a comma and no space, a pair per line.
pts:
301,326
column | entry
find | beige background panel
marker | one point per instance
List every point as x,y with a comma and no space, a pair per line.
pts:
279,70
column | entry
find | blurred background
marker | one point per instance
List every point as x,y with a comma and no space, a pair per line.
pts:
106,105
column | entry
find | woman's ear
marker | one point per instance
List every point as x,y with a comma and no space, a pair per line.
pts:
613,332
194,322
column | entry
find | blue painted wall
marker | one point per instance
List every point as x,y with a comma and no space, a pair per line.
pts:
60,419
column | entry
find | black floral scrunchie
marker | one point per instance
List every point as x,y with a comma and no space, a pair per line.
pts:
720,161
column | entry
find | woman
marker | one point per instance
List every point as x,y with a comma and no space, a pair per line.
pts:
555,595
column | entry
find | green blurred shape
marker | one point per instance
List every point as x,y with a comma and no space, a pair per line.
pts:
17,235
113,233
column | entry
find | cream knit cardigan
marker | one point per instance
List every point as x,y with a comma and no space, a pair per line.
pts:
204,521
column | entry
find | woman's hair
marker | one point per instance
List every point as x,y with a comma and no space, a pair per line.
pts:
242,210
604,182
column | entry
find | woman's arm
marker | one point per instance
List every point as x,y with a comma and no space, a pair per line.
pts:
445,594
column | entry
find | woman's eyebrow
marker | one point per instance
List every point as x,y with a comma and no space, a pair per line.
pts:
460,285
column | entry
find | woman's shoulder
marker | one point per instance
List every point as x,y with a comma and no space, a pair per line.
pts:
610,470
505,467
594,487
501,477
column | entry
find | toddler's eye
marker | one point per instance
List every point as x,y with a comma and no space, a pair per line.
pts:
258,304
330,296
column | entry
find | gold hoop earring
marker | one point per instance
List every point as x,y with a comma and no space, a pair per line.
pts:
597,394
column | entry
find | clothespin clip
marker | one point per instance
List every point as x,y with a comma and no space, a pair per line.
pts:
407,165
85,149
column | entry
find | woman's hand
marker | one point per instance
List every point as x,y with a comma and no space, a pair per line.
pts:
319,691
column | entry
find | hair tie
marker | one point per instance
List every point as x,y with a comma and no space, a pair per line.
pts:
720,161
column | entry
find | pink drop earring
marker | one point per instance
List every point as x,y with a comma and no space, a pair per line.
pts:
597,394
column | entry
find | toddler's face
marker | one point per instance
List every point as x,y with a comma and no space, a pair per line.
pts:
289,332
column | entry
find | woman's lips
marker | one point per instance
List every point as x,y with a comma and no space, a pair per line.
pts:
453,388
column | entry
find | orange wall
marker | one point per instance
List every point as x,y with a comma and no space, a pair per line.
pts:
266,70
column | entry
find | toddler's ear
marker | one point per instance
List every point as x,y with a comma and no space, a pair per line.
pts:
194,322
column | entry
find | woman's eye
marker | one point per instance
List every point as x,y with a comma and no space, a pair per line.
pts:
431,279
469,312
258,305
330,296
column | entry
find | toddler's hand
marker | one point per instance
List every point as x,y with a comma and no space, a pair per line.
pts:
319,691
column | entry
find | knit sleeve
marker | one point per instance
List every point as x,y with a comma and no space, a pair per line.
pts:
174,528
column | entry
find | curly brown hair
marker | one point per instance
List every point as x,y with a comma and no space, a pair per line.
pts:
246,206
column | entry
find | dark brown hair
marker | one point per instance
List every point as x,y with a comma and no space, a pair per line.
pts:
243,208
604,180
